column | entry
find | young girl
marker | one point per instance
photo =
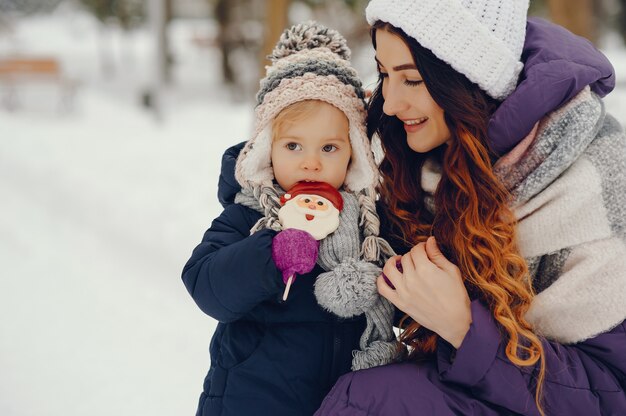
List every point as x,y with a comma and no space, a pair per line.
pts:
508,200
269,356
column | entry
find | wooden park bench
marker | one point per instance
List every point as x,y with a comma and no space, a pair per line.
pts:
18,72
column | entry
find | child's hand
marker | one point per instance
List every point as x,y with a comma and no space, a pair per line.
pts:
294,251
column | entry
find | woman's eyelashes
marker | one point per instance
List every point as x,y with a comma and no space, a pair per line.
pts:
412,83
407,82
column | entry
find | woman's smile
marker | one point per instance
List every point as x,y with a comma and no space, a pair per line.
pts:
414,125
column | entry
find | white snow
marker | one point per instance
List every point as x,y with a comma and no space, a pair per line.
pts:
100,209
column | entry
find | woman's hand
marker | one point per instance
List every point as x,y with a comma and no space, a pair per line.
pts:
430,290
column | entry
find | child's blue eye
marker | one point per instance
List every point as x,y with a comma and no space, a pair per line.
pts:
329,148
293,146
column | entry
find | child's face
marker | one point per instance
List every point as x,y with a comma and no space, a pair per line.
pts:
315,148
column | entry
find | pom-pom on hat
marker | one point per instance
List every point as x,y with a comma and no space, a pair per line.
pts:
481,39
309,62
322,189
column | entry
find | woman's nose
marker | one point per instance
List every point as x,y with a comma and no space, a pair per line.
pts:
394,102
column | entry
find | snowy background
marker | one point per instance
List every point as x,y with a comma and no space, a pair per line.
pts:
101,207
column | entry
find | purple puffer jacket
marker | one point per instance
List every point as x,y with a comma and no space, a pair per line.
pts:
557,66
587,378
478,379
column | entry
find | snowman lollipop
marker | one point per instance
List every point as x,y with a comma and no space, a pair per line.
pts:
310,212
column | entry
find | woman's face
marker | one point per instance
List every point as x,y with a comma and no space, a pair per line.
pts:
406,97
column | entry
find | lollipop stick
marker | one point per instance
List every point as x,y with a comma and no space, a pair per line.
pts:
286,293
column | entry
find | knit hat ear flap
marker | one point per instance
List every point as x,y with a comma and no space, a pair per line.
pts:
254,164
362,172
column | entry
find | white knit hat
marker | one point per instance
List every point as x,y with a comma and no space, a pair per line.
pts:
482,39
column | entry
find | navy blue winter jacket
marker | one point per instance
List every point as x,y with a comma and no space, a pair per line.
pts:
267,357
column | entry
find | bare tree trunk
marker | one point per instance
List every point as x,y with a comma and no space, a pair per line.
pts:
275,23
157,17
158,22
223,14
168,59
575,15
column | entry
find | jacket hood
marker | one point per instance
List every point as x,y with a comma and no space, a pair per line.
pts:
557,66
227,186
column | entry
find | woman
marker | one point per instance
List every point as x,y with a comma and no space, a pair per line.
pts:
505,191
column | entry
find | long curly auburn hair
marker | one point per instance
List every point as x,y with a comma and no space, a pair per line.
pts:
473,223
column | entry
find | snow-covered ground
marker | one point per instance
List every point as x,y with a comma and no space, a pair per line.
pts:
100,209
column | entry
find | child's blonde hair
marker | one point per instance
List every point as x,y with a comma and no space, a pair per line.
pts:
294,113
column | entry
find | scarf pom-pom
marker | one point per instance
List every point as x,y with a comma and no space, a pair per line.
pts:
349,289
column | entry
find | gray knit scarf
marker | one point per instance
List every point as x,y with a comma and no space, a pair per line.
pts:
348,287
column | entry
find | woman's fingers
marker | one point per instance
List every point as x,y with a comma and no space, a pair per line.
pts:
386,291
407,262
391,271
435,255
418,257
